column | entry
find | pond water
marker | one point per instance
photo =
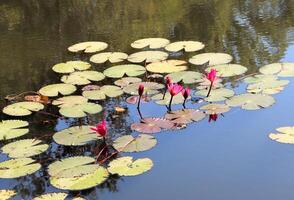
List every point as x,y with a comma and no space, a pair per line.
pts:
232,158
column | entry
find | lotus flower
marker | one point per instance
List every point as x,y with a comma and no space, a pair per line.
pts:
211,76
186,93
212,117
100,129
174,89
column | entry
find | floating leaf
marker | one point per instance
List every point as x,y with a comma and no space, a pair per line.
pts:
167,66
113,57
82,78
24,148
185,116
211,59
155,76
281,69
18,167
147,56
215,108
188,46
220,94
152,125
204,84
260,78
125,81
128,143
267,87
22,108
119,71
54,89
69,101
88,47
7,194
135,99
71,66
149,88
152,43
75,136
228,70
250,101
52,196
37,98
177,99
10,129
102,92
125,166
186,77
284,135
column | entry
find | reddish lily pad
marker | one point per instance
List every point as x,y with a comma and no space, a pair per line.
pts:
185,116
152,125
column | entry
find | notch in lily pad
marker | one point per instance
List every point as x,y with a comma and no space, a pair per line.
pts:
10,129
112,57
148,56
128,143
152,43
88,47
22,108
71,66
187,46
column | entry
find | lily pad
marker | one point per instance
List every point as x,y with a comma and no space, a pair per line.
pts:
204,84
52,196
167,66
260,78
103,92
134,99
185,116
7,194
119,71
280,69
128,143
228,70
69,101
284,135
126,166
188,46
113,57
177,99
149,88
15,168
148,56
75,136
250,101
152,43
211,59
60,88
71,66
82,78
186,77
220,94
88,47
152,125
10,129
267,87
24,148
125,81
215,108
22,108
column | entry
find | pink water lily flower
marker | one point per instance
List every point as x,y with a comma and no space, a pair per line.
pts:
186,93
168,81
174,89
141,89
211,76
100,129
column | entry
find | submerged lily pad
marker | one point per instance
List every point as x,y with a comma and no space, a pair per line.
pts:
167,66
280,69
18,167
119,71
134,99
211,59
152,43
10,129
52,196
7,194
126,166
215,108
88,47
24,148
284,135
60,88
75,136
188,46
71,66
267,87
82,78
220,94
22,108
149,88
177,99
113,57
125,81
185,116
152,125
128,143
102,92
186,77
228,70
250,101
148,56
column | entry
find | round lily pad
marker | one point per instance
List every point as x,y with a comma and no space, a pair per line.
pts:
71,66
7,194
152,125
186,77
188,46
211,59
167,66
215,108
10,129
128,143
15,168
102,92
113,57
228,70
88,47
69,101
52,196
82,78
280,69
60,88
148,56
284,135
24,148
126,166
177,99
125,81
250,101
149,88
220,94
119,71
260,78
75,136
22,108
267,87
152,43
185,116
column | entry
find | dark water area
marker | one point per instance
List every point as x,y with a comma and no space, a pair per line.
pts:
232,158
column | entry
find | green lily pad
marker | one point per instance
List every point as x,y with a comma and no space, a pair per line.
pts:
152,125
267,87
149,88
260,78
54,89
185,116
188,46
126,166
125,81
71,66
113,57
82,78
10,129
280,69
250,101
213,108
88,47
128,143
177,99
69,101
204,84
103,92
52,196
228,70
15,168
284,135
186,77
211,58
24,148
22,108
167,66
152,43
148,56
7,194
75,136
220,94
119,71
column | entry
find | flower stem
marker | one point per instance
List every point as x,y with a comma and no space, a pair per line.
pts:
209,89
139,101
170,102
184,104
163,96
